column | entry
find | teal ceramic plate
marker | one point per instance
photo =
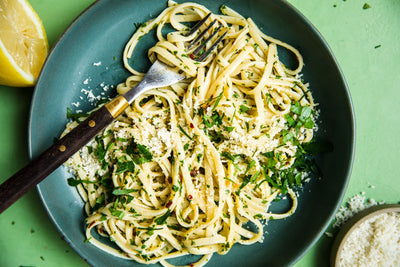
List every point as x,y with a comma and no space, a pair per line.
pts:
87,60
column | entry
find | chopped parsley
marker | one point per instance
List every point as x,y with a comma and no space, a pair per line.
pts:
124,166
184,132
139,153
118,192
74,182
175,188
75,116
366,6
117,213
304,116
217,101
243,109
163,218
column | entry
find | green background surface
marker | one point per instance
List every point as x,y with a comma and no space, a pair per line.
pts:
366,43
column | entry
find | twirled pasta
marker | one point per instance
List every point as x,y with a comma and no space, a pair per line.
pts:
186,167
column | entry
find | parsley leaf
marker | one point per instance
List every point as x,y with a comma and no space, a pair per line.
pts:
366,6
163,218
139,153
75,116
117,213
217,101
74,182
118,192
124,166
184,132
243,109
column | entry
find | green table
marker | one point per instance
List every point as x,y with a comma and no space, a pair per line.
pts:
365,42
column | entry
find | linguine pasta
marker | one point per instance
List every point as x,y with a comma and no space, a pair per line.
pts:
186,167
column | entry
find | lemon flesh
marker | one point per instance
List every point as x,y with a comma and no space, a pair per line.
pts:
23,43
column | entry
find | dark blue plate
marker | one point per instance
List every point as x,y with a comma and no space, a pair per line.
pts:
87,59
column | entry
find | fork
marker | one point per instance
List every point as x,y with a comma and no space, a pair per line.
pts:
159,75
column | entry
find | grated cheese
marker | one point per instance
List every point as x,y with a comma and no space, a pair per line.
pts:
356,204
90,96
76,104
376,242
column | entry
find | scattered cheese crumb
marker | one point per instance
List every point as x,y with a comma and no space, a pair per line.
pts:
356,204
105,87
90,96
76,104
97,63
328,234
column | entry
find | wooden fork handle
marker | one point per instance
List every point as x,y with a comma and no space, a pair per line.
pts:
43,165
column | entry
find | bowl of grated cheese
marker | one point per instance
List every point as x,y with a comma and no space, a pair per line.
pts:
370,238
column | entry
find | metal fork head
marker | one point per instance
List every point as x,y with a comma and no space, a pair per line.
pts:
213,30
160,74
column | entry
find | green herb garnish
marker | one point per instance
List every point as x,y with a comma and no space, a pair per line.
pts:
139,153
163,218
366,6
74,182
75,116
118,192
243,109
185,133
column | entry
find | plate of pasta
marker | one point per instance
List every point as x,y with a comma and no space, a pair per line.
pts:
242,162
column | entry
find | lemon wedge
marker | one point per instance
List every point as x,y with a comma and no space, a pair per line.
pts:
23,44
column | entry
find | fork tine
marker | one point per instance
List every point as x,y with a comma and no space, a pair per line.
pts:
198,25
201,47
212,47
198,38
198,49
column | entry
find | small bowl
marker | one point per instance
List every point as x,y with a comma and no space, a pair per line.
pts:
353,224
